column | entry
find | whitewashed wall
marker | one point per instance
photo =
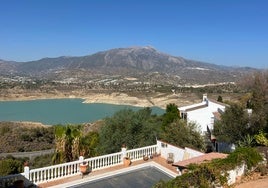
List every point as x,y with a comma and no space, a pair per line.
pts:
237,172
204,116
193,153
179,153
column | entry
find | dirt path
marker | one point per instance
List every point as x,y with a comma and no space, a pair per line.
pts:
260,183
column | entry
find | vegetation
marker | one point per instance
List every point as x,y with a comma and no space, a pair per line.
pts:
215,172
237,125
71,141
41,161
21,137
242,126
10,165
134,129
232,126
179,133
219,98
261,138
141,128
172,114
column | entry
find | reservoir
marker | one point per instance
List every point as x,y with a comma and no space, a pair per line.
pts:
61,111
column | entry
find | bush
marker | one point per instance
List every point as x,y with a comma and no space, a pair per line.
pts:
248,155
214,173
10,166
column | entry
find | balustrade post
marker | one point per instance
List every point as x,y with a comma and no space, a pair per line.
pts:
81,158
27,172
124,151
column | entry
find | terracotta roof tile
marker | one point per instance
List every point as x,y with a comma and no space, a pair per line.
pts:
201,159
217,115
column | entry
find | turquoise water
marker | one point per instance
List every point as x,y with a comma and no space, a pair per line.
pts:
60,111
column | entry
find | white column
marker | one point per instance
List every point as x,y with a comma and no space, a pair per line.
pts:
27,172
124,151
81,158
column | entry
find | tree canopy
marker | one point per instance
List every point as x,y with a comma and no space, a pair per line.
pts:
172,114
141,128
233,125
135,129
244,120
183,134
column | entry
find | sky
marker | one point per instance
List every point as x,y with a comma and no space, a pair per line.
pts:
224,32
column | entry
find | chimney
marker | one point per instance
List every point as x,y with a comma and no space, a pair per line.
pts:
205,97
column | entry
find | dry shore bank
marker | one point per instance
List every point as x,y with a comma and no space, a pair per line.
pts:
141,100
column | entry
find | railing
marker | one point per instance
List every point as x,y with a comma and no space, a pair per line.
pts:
59,171
137,154
54,172
104,161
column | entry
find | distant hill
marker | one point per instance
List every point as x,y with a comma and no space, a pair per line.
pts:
138,62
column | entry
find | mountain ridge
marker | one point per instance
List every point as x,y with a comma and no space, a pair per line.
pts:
134,61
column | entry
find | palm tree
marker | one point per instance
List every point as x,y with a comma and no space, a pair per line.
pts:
67,139
59,156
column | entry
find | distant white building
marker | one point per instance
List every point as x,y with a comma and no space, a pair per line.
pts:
203,113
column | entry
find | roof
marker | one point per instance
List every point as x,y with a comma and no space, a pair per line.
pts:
217,115
220,103
197,105
200,159
203,104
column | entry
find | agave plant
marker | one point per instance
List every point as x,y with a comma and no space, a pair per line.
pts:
246,141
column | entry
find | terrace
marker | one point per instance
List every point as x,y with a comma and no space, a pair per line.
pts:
148,165
68,174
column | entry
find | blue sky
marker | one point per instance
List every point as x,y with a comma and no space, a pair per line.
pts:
225,32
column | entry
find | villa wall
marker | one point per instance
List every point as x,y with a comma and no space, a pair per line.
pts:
234,174
192,153
204,116
179,153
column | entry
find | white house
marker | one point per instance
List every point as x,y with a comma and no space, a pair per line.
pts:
203,113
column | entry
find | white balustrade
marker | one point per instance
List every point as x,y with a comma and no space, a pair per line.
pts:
137,154
104,161
54,172
59,171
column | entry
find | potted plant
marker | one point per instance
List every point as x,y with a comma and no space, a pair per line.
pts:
127,161
145,157
83,168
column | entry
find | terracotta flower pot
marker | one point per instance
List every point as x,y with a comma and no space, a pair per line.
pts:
83,168
127,161
145,158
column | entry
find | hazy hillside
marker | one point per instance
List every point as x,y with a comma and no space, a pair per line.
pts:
138,62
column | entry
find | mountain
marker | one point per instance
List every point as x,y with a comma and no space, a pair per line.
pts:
138,62
7,67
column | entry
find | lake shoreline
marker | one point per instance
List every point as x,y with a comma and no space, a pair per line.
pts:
61,111
154,100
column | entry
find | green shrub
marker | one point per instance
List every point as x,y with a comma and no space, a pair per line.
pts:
10,166
215,172
248,155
